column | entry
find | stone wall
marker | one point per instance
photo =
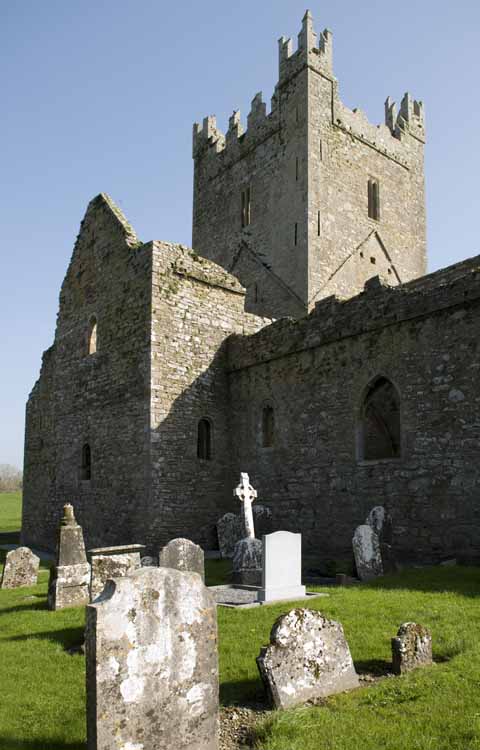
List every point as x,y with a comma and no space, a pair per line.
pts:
195,307
100,399
423,337
307,164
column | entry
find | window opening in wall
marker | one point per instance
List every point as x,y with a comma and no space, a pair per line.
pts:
204,440
296,168
295,234
318,224
92,336
268,427
380,435
255,292
374,199
86,468
246,207
321,150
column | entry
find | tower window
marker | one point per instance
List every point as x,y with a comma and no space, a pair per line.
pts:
374,199
318,224
380,436
268,427
86,468
92,336
296,168
204,440
295,234
246,204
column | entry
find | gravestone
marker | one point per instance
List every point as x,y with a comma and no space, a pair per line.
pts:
113,562
308,657
381,523
247,562
230,528
366,549
282,567
411,648
149,562
21,569
152,666
182,554
70,576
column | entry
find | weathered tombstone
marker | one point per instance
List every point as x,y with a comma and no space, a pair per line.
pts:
366,549
229,532
308,657
381,523
152,668
149,562
182,554
70,576
247,562
113,562
411,648
282,567
21,568
246,494
231,528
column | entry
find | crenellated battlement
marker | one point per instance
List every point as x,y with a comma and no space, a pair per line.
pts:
411,117
312,49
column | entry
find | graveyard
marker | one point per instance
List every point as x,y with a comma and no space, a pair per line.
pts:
43,704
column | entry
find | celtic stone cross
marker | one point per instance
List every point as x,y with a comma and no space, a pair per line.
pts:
246,494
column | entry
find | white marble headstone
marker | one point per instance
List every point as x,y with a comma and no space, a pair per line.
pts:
282,567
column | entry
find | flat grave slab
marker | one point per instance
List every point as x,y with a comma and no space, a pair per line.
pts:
247,597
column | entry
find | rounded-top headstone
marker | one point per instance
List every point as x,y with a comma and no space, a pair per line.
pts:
183,554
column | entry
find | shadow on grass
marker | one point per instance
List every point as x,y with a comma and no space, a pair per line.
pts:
242,693
9,537
457,579
43,743
68,637
378,667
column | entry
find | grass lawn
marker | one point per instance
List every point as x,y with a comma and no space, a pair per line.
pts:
10,517
42,705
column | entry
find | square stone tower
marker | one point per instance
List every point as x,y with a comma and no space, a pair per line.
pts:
311,199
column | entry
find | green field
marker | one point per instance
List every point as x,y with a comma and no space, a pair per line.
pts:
42,704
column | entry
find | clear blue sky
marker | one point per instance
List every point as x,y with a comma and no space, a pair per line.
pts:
101,96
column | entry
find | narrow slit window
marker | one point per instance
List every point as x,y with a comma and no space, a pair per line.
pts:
296,168
268,427
318,224
246,207
92,336
374,199
86,468
204,440
295,234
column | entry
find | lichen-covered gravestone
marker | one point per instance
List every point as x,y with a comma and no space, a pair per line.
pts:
231,529
152,666
21,568
113,562
366,549
381,523
411,648
183,554
308,657
247,562
70,576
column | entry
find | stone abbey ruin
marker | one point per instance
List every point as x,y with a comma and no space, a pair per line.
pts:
299,341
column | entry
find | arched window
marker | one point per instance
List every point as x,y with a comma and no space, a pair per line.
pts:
380,422
92,336
268,426
204,440
86,469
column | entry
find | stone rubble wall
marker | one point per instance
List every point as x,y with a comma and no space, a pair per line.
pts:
423,336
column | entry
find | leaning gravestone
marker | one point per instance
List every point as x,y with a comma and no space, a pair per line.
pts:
152,669
366,549
182,554
308,657
381,523
247,563
411,648
282,567
70,576
113,562
21,569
